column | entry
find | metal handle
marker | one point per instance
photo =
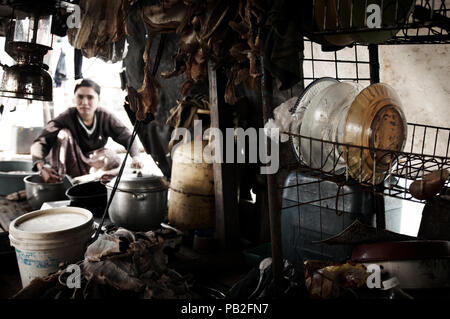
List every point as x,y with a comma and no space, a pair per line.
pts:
139,196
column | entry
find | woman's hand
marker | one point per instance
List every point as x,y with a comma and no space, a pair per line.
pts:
136,163
48,174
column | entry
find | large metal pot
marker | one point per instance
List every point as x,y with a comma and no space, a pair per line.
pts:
140,202
39,192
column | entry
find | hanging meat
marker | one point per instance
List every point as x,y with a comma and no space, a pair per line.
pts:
227,32
145,100
102,29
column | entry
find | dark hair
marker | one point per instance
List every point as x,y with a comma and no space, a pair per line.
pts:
88,83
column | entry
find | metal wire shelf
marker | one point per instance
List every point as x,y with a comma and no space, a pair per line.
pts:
410,21
426,150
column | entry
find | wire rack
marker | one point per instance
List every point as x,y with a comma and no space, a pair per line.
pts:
403,21
426,151
426,148
349,64
320,201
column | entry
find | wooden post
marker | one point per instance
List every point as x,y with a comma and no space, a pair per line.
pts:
227,219
272,189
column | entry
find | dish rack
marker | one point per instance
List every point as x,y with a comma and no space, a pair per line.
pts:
423,22
426,150
312,210
427,147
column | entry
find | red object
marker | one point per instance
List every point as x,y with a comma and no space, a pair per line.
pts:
401,250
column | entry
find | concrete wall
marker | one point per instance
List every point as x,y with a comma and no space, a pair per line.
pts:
420,74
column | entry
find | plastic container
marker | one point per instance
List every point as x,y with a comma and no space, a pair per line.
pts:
191,203
45,238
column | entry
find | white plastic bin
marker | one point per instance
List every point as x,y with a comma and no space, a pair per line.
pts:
44,238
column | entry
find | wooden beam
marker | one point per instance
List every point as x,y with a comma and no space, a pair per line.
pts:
227,219
274,199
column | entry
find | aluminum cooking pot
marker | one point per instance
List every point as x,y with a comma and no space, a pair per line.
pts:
140,201
39,192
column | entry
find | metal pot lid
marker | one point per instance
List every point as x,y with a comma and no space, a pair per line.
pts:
140,182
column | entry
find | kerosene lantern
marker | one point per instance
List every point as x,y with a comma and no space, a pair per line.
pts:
28,40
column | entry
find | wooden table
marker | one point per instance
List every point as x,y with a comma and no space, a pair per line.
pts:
10,210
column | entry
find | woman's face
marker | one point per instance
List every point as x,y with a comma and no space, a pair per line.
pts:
86,101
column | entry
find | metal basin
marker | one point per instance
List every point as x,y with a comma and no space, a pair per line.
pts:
12,174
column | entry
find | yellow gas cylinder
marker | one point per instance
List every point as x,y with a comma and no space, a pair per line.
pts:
191,199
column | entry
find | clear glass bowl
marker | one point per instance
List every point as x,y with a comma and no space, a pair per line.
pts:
298,112
321,121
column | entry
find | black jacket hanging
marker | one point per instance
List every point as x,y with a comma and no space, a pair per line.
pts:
78,62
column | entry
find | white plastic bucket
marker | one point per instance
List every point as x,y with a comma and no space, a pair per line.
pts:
44,238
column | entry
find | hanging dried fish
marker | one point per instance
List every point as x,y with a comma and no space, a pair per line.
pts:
227,32
145,99
164,18
103,24
230,95
179,65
